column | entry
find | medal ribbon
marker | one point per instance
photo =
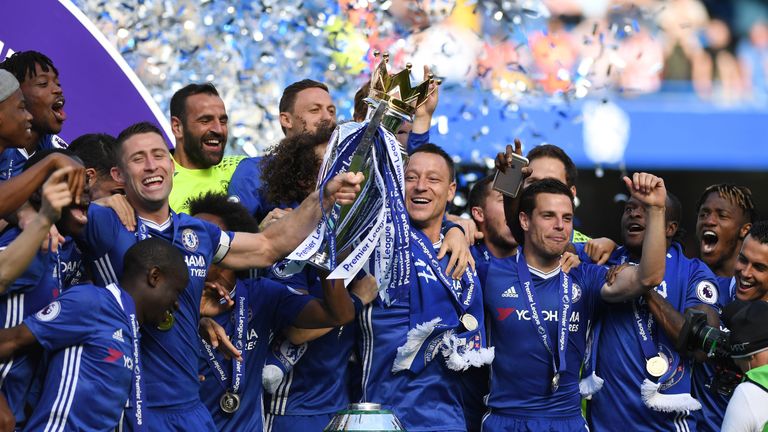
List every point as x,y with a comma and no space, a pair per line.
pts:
563,331
424,257
643,331
137,390
240,314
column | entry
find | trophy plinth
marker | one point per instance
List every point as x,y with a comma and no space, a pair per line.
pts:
369,417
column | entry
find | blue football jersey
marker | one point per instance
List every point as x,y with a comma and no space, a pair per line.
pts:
12,160
88,336
522,371
272,306
710,417
32,291
246,188
620,360
317,383
169,357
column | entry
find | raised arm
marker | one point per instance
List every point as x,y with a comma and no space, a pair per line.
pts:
283,236
512,205
338,306
15,259
15,191
670,320
632,282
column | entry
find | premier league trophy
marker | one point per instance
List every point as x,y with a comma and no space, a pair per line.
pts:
376,224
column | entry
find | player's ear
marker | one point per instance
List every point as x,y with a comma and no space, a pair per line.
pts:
177,128
477,214
153,276
744,230
671,229
524,221
116,174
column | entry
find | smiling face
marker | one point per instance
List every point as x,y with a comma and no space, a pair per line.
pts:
45,101
549,227
146,169
203,130
428,189
15,121
720,228
752,271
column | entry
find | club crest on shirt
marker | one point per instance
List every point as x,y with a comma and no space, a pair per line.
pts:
189,239
50,312
576,295
706,292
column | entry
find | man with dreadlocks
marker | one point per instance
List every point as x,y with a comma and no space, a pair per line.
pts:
39,80
646,382
725,214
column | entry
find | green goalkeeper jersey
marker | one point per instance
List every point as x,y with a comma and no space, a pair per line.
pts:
191,183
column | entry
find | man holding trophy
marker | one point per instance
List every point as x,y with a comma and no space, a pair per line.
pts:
429,303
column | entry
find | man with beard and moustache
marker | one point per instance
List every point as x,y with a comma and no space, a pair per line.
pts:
199,122
636,390
724,216
487,207
306,108
39,80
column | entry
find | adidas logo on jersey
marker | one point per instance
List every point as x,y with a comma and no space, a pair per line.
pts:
510,292
118,335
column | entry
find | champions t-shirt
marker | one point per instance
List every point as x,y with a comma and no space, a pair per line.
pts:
272,307
620,360
89,339
169,358
522,371
191,183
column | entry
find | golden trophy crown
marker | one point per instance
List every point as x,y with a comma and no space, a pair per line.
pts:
396,91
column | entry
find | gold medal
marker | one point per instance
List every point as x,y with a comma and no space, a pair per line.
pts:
469,321
656,366
168,322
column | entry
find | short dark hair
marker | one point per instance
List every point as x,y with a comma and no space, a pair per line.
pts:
555,152
548,185
288,99
155,252
479,192
234,215
361,106
674,213
437,150
97,150
22,64
134,129
759,231
179,99
740,196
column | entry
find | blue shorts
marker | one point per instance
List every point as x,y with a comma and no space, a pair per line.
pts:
194,418
494,422
293,423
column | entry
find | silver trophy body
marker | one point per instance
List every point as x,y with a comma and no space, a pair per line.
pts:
369,417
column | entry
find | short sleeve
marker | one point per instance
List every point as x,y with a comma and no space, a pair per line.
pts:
590,278
738,417
283,302
221,240
702,287
66,321
100,231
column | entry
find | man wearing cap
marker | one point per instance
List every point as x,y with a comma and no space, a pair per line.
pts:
747,410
